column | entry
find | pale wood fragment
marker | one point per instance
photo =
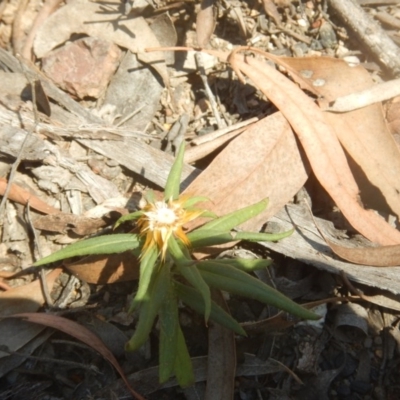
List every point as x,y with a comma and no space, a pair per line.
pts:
307,245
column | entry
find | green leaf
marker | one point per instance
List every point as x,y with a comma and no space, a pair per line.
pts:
179,254
193,276
192,298
149,196
235,218
174,178
190,273
203,238
129,217
150,306
183,363
233,280
245,265
210,237
107,244
148,267
262,237
169,326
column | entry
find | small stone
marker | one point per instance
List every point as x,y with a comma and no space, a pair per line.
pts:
84,67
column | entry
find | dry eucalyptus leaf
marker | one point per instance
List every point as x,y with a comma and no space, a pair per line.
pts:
382,256
363,133
264,161
322,147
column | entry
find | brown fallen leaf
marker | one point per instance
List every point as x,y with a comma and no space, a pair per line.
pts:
264,161
364,132
24,197
321,145
101,269
81,333
383,256
26,298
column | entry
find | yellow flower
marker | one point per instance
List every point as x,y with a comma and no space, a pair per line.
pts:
161,219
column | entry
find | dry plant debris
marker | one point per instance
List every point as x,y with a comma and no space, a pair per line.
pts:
292,100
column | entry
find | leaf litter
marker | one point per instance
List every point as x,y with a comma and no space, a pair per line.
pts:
272,158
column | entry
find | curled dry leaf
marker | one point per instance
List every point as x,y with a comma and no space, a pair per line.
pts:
322,147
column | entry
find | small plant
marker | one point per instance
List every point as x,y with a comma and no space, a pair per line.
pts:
169,274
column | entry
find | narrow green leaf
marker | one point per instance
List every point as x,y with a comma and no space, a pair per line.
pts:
179,254
129,217
148,267
233,280
210,237
193,276
190,273
107,244
192,298
149,196
174,178
169,325
203,238
235,218
183,363
262,237
245,265
150,307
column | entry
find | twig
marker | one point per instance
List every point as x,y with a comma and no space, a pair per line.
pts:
220,132
369,32
210,95
195,153
42,273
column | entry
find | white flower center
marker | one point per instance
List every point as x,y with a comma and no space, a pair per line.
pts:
161,215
